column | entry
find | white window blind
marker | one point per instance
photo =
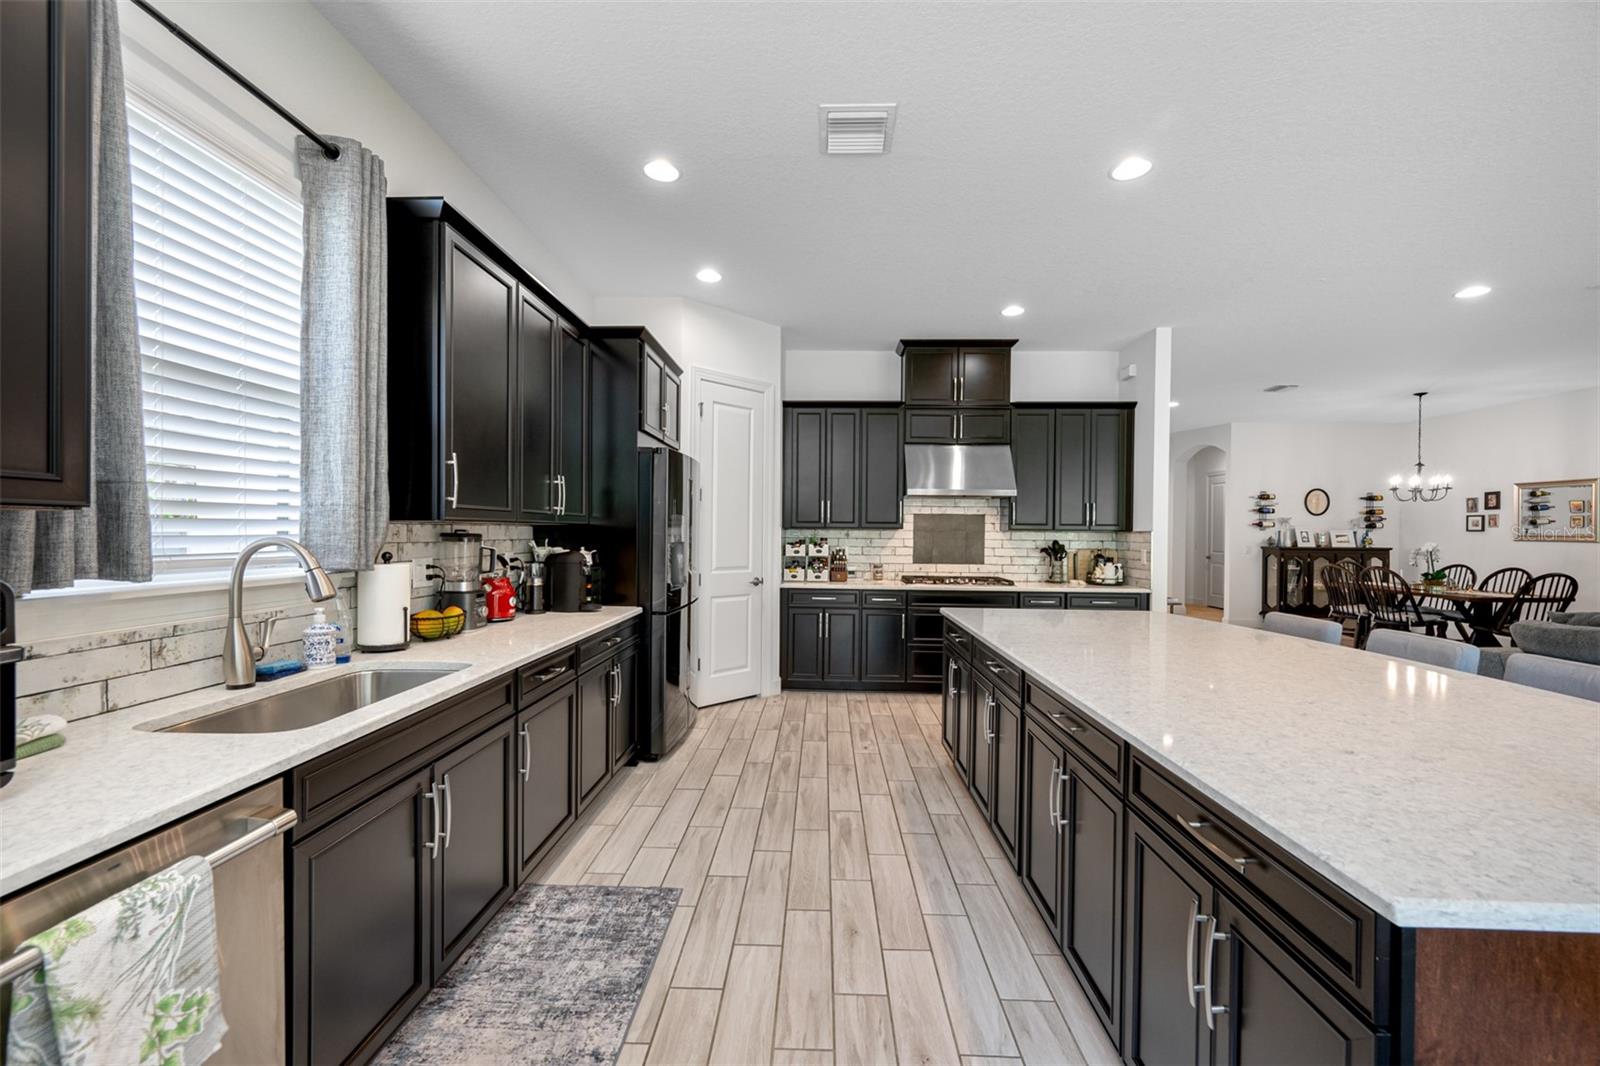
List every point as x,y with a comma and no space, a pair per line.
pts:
217,257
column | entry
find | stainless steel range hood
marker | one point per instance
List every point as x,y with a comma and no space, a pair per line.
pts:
960,470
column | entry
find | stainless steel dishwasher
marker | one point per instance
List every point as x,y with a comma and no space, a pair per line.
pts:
243,839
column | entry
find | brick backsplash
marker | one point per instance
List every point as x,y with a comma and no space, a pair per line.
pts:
1012,553
93,673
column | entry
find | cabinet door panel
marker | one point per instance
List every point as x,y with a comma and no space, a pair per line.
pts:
1072,446
930,375
804,449
594,716
1042,761
669,408
1092,892
985,375
1007,773
546,733
803,651
843,490
1033,456
572,453
980,768
1276,1011
984,427
1110,465
475,868
362,923
650,387
480,363
883,655
1165,895
953,705
933,426
882,469
536,386
624,712
842,640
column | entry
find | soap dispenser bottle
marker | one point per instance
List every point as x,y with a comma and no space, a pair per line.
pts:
321,639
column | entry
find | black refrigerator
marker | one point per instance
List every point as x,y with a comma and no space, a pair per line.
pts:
664,575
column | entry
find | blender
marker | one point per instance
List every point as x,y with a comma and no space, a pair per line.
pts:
460,569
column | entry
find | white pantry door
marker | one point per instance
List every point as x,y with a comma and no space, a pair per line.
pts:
732,444
1216,550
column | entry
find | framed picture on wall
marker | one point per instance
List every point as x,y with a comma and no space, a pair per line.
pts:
1491,501
1577,506
1472,504
1494,521
1474,523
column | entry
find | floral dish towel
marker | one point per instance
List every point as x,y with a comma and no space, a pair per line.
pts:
133,979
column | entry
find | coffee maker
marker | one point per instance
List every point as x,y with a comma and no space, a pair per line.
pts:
533,597
462,562
572,581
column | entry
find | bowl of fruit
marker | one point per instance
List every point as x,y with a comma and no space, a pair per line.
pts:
432,625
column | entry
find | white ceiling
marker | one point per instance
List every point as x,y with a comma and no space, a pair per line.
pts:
1327,175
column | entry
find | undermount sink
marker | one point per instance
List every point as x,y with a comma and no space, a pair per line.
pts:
312,705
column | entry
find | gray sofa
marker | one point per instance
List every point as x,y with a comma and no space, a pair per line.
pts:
1572,635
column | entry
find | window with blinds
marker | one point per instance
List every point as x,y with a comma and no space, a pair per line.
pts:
217,256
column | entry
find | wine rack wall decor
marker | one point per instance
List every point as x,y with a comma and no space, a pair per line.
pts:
1264,505
1556,511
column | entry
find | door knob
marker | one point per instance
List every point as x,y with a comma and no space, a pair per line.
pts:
756,581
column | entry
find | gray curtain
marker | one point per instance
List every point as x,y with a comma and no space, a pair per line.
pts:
344,355
109,539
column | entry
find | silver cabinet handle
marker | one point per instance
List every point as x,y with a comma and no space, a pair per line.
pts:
961,388
902,627
1055,776
449,810
563,482
549,674
827,624
988,721
1197,829
527,752
455,480
953,693
1190,978
954,395
616,694
1061,802
820,599
433,845
1104,603
1212,936
819,625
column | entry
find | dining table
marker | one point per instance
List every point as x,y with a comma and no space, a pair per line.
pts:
1479,608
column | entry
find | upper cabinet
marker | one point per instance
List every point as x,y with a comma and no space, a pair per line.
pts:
660,380
955,373
44,229
1074,468
844,467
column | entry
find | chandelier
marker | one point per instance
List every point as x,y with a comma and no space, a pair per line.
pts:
1415,487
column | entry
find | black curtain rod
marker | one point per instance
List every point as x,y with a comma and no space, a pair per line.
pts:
329,149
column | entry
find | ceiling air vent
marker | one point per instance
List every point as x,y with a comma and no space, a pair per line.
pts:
856,129
1279,388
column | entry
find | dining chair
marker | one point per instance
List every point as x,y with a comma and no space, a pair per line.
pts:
1555,675
1506,579
1435,651
1389,598
1540,598
1345,602
1298,625
1456,576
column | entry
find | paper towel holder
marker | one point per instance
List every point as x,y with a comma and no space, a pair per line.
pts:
385,558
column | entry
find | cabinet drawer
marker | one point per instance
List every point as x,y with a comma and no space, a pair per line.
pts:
1336,934
596,648
543,676
958,638
925,662
334,783
1046,600
883,599
1102,601
841,598
1103,749
987,662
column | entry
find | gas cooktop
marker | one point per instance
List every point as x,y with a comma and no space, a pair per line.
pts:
954,579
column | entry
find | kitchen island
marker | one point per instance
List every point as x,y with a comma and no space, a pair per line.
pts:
1369,859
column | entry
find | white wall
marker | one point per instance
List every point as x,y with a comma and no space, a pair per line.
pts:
296,56
864,376
1149,362
1548,439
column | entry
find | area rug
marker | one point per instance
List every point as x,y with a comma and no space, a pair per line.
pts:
555,978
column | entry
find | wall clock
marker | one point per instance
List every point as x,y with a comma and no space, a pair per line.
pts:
1317,502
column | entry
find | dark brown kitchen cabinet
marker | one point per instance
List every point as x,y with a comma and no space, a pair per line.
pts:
958,425
546,796
1168,899
841,501
1110,466
1005,810
538,411
955,702
572,421
45,272
624,707
659,387
883,477
980,767
1090,817
841,643
883,644
362,919
1074,467
1032,453
1043,757
1071,465
947,372
479,354
822,467
594,721
477,868
803,653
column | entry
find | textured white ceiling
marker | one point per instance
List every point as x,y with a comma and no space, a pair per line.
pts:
1327,175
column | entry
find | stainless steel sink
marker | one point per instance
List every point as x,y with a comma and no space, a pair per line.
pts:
312,705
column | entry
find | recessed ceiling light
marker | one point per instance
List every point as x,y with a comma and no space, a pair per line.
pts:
1134,166
660,170
1012,310
1472,292
1172,403
709,275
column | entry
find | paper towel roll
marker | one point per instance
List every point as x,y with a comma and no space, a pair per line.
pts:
383,607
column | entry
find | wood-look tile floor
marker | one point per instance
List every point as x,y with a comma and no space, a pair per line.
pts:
843,900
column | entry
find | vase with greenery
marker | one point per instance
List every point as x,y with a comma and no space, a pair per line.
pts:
1426,558
1056,552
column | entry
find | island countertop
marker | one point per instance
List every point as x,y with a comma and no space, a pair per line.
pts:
1437,798
116,779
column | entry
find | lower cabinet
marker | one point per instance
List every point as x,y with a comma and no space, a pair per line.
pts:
980,768
821,644
624,708
1004,810
1089,822
474,853
957,696
594,720
883,644
1168,900
546,800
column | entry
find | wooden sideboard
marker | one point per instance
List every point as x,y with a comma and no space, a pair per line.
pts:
1291,578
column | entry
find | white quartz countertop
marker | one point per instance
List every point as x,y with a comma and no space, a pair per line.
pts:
1439,799
895,584
114,781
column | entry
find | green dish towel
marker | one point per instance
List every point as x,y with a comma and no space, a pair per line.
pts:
34,747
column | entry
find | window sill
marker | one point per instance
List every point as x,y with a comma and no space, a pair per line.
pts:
169,584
